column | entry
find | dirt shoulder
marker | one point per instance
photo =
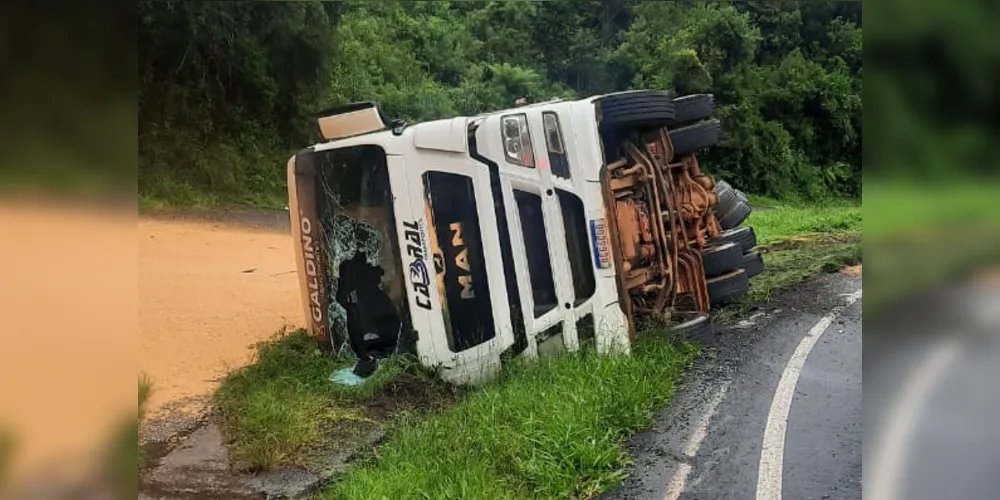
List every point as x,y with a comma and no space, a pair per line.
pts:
210,286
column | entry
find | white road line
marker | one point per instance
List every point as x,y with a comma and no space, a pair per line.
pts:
679,480
901,420
701,430
773,449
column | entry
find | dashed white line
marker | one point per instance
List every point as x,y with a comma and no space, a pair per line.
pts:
679,480
772,451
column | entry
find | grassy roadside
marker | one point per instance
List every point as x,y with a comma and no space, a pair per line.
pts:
283,410
181,199
800,241
555,428
551,429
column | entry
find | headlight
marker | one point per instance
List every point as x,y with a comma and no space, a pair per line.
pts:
517,140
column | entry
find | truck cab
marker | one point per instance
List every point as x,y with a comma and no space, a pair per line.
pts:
470,239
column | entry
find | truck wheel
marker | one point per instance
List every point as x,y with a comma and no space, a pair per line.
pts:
694,107
723,187
638,108
694,137
700,326
735,215
753,264
727,197
744,236
720,259
728,288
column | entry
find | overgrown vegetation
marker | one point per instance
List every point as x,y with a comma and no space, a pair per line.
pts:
227,88
282,408
800,241
554,428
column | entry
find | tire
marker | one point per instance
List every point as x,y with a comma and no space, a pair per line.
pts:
694,107
753,264
734,216
638,108
720,259
744,236
722,187
727,198
700,326
694,137
728,288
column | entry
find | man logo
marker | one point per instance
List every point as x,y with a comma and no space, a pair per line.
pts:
462,261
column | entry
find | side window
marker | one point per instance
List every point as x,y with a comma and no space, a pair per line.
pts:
459,261
536,247
555,146
517,140
578,246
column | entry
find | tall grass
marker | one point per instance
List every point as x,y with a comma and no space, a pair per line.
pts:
790,221
554,428
278,408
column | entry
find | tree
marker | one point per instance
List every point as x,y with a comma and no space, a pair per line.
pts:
227,89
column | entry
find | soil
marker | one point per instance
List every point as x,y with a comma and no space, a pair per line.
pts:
209,288
410,392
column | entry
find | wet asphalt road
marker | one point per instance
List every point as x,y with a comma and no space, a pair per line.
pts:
707,444
932,398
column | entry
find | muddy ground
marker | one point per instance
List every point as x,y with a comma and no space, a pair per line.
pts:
210,286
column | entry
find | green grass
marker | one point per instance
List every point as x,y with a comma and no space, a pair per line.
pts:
802,221
555,428
280,409
921,236
899,208
548,427
763,201
797,242
184,197
794,261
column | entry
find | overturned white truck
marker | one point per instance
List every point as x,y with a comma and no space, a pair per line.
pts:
542,227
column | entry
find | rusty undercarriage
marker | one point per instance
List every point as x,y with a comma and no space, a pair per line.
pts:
661,219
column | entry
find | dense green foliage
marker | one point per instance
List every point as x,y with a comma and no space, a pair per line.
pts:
227,88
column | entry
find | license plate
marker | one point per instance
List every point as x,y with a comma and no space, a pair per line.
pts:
599,240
